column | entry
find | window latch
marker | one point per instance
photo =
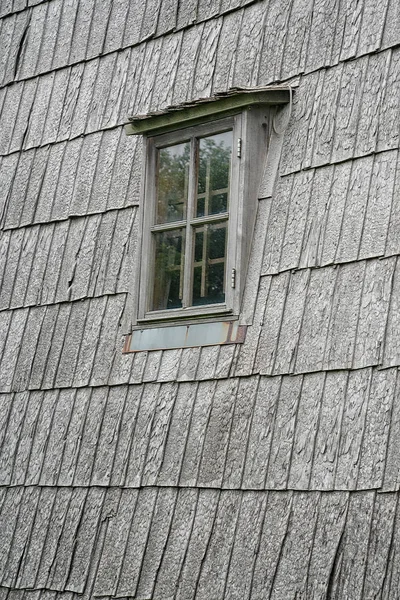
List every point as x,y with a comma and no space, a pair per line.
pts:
233,278
239,148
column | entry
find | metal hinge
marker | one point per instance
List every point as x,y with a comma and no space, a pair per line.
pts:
239,148
233,278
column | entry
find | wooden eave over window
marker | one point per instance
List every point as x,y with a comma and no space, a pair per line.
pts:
218,106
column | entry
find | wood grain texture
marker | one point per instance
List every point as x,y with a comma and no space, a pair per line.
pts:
190,49
372,27
294,152
167,69
392,241
298,32
343,321
217,435
216,558
373,92
13,32
267,469
226,53
265,534
158,434
138,534
261,431
248,46
269,336
321,36
352,429
272,42
175,444
373,313
391,340
326,118
197,431
31,48
292,241
177,544
240,431
267,562
247,351
315,325
348,109
291,323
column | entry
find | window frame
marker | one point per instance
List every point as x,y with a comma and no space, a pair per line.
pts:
263,114
146,275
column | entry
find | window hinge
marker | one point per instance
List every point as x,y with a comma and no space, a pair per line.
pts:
239,148
233,278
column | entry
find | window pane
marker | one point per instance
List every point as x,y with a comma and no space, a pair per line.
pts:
209,264
172,182
214,170
168,272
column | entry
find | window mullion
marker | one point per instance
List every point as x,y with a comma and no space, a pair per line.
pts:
188,271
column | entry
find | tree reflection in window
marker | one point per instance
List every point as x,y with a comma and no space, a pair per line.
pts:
202,279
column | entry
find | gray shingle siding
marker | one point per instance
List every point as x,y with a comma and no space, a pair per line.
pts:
263,470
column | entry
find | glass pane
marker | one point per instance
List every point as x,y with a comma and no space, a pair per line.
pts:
168,272
213,178
172,182
209,264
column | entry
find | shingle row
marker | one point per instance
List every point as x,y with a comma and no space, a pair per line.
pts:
102,92
67,260
87,175
343,112
321,431
325,34
61,344
335,317
165,543
333,214
10,594
338,317
76,100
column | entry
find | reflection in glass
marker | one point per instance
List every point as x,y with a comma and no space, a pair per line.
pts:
172,182
168,272
209,264
213,176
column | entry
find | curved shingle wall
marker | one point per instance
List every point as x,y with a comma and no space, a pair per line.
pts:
265,470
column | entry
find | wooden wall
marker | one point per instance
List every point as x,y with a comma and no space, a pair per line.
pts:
267,470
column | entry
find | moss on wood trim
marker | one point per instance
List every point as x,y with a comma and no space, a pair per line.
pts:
216,107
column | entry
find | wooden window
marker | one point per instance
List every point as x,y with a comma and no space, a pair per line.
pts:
202,169
189,222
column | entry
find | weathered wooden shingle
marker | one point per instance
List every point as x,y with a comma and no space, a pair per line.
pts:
321,36
345,306
391,345
226,53
373,93
166,71
105,477
272,320
248,47
32,42
189,52
217,435
270,59
296,39
348,109
326,118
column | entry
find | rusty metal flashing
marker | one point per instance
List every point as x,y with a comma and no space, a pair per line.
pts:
218,106
185,336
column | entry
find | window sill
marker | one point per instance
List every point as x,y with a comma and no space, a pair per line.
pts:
180,314
185,336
